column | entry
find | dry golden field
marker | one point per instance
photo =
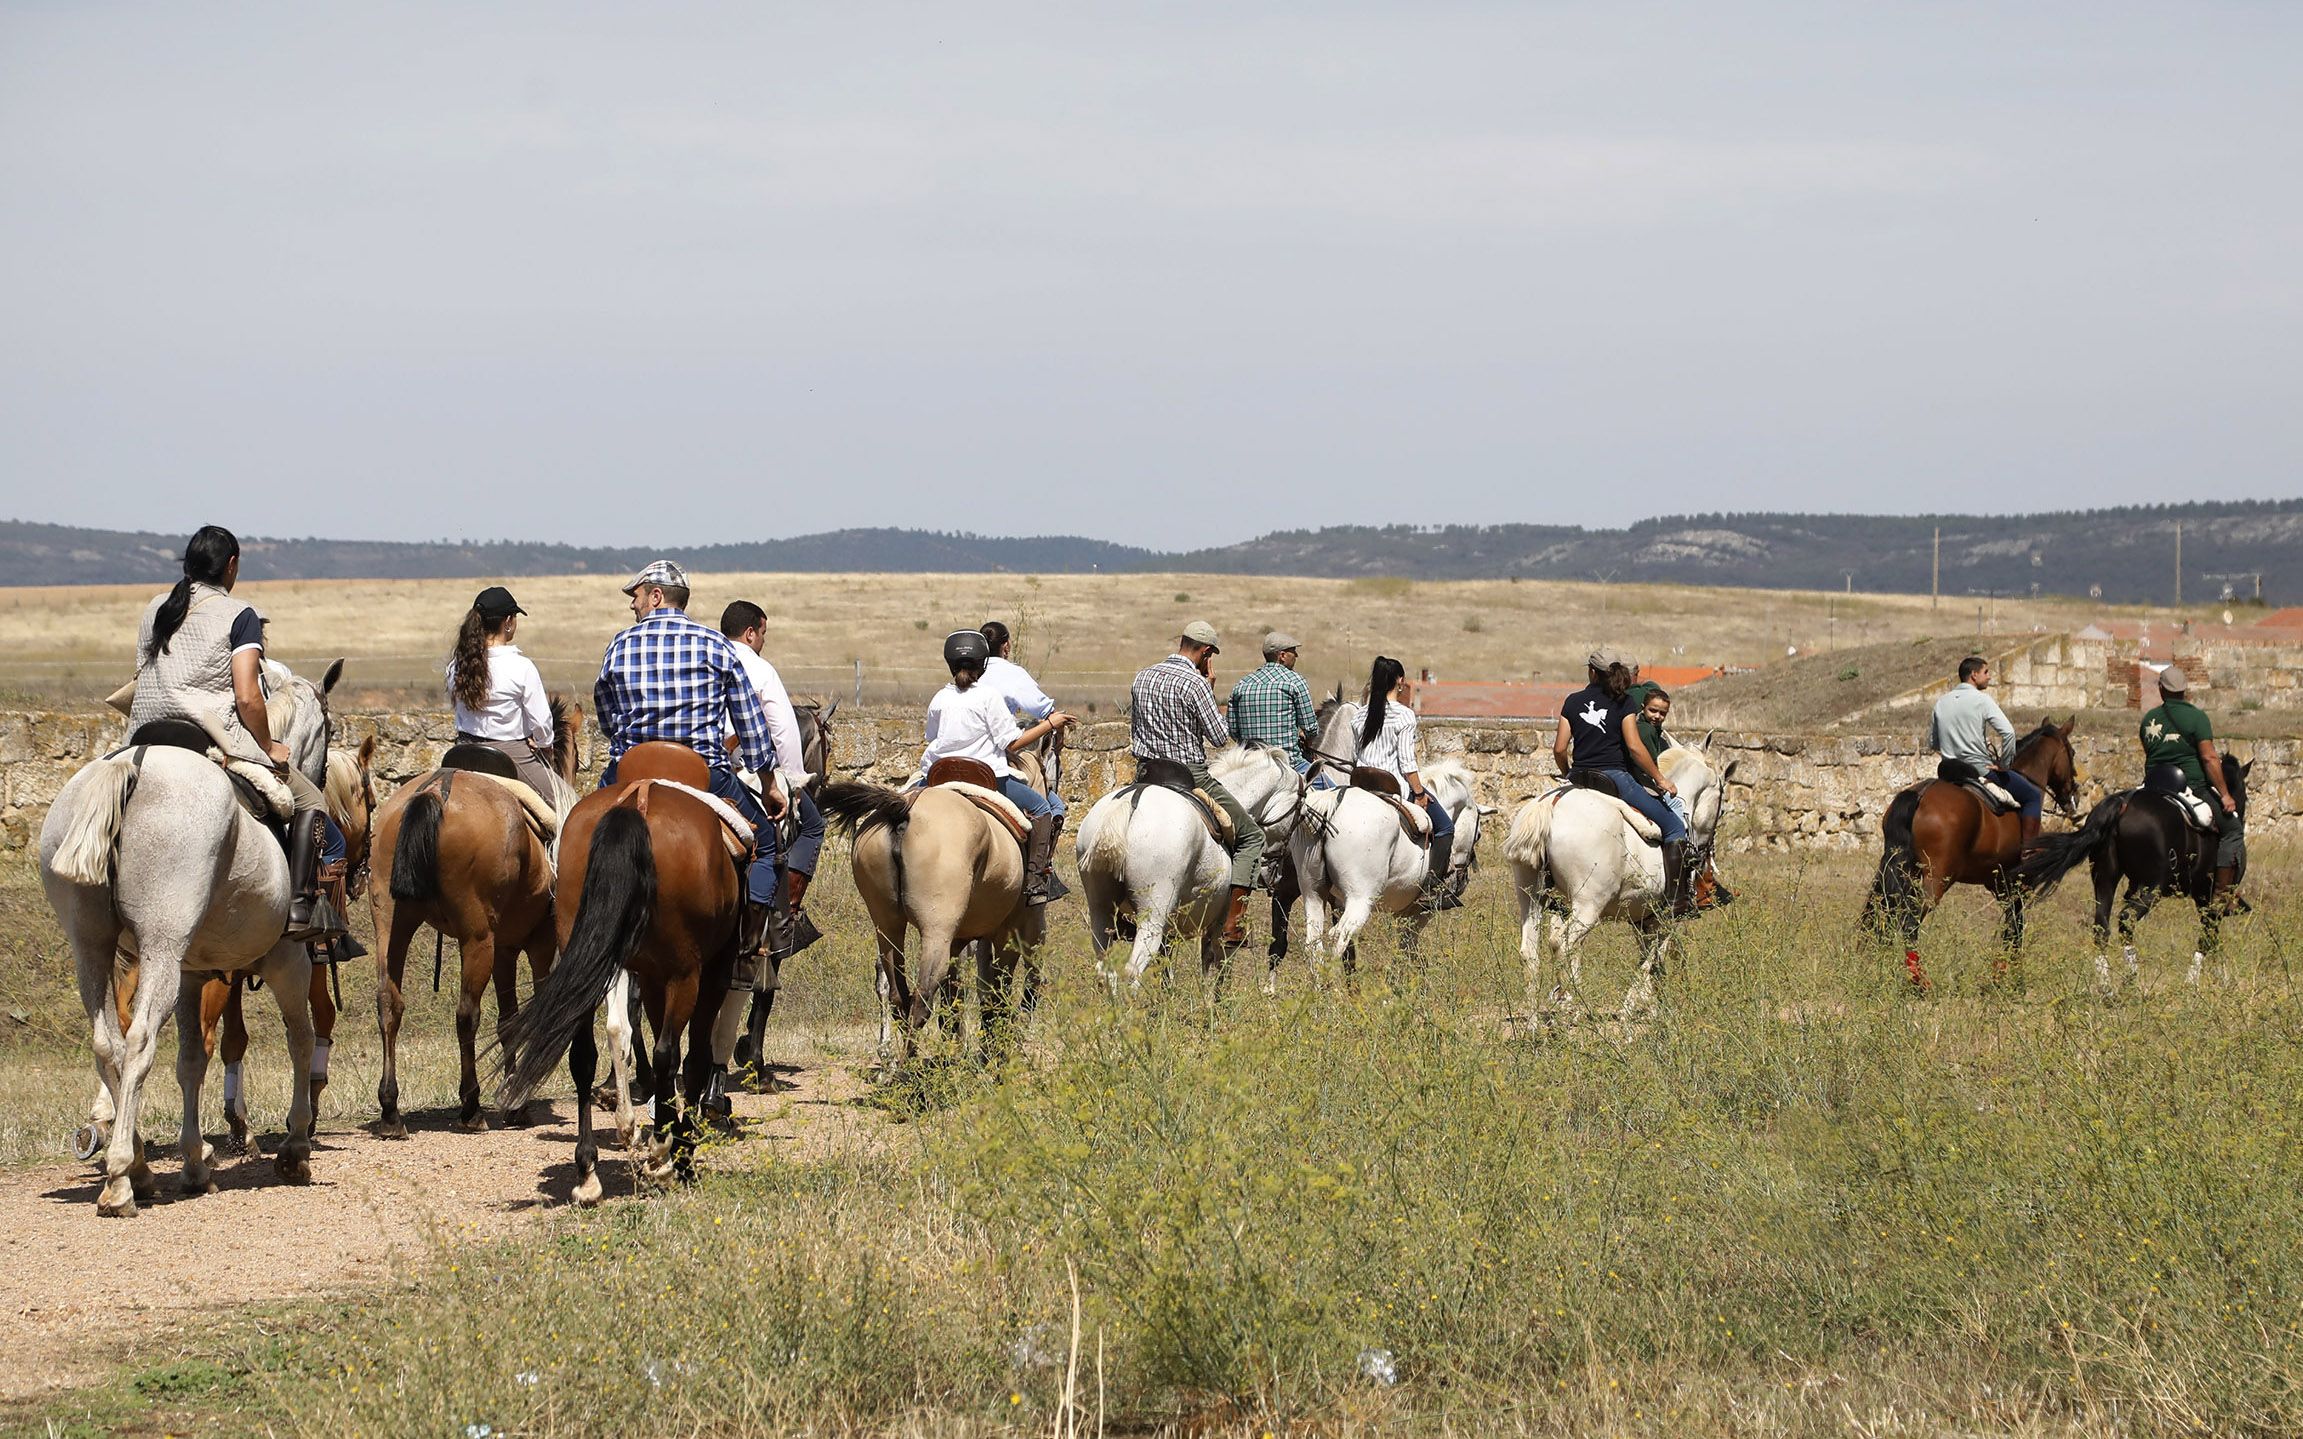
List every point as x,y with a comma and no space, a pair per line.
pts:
1084,634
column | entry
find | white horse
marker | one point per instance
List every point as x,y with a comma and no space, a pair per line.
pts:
1579,856
1150,850
154,870
1354,854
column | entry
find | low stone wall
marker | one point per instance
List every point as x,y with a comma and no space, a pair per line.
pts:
1787,792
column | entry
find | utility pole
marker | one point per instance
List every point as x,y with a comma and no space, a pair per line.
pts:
2178,564
1935,576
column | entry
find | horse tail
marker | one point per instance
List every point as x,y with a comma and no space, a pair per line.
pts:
2059,854
84,854
1109,853
613,915
857,807
1895,889
416,853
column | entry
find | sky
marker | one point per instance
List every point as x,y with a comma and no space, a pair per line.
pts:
1169,274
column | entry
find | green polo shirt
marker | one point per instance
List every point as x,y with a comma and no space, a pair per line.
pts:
2171,735
1650,733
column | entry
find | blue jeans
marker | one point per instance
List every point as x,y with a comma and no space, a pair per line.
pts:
2027,795
810,841
331,841
1647,803
1027,799
1318,781
1442,824
760,875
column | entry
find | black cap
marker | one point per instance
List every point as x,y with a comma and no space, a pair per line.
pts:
496,603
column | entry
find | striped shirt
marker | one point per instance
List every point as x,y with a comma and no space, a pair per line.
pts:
669,678
1172,714
1272,705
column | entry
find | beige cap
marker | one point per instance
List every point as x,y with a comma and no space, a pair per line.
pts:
1200,632
1279,642
2173,680
1604,656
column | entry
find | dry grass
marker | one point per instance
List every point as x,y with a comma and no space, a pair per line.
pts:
1085,634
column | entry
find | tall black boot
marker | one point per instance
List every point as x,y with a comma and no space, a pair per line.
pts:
1039,860
310,916
1678,902
804,931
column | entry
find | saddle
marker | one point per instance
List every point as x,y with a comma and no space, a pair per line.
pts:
1412,819
480,759
655,762
1967,777
534,808
1599,786
1167,774
261,792
973,780
2168,781
1378,781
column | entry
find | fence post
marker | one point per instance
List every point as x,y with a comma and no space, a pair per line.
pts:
859,701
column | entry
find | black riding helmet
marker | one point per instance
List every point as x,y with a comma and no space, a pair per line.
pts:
966,650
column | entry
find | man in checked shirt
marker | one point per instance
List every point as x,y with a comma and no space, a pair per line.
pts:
669,678
1172,719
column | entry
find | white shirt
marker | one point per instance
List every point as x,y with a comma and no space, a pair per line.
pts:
970,724
783,720
517,707
1014,684
1393,748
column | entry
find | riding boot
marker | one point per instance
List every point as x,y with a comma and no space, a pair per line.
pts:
714,1100
804,931
2029,825
753,929
337,886
1039,860
1678,902
2226,897
310,916
1235,919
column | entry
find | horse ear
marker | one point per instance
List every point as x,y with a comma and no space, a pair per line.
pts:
2243,769
335,673
367,752
1708,736
832,709
1729,773
2071,724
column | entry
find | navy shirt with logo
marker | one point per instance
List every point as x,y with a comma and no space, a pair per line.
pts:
1594,720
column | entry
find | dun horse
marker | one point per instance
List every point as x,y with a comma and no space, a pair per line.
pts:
463,854
1939,834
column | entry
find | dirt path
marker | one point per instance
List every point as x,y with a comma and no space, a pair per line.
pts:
77,1291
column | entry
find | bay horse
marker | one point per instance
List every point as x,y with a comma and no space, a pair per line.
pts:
2142,837
1940,834
941,865
660,905
461,855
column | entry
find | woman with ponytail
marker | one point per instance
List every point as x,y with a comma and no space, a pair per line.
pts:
200,658
498,695
1386,737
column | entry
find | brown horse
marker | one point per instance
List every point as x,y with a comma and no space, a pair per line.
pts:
1940,834
661,903
462,857
946,868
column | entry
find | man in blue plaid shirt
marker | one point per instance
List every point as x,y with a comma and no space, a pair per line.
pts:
669,678
1272,705
1172,719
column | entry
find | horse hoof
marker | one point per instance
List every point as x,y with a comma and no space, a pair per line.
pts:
472,1124
588,1191
90,1141
294,1169
192,1186
117,1209
393,1128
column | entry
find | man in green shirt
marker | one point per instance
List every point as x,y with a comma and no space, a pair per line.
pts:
2179,755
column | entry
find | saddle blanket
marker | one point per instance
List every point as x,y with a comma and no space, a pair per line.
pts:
1996,798
1211,814
735,830
990,801
2198,813
540,815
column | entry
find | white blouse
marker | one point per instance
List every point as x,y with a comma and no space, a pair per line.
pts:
1393,748
969,724
517,707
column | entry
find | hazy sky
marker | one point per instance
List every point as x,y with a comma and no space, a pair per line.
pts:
1164,273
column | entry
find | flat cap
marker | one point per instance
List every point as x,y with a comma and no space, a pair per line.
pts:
2173,680
1278,642
1605,656
661,572
1200,632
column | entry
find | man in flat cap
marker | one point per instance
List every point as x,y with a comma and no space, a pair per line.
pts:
1272,705
2179,756
1172,719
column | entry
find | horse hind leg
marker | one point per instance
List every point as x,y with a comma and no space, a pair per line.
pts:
621,1056
583,1061
288,971
127,1176
191,1071
479,966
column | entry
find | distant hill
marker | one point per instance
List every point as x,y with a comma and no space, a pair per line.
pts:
2125,555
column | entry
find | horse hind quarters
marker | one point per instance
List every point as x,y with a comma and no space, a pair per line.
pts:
84,851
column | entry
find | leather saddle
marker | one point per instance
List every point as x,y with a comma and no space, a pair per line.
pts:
657,761
973,780
268,799
1967,777
1385,786
1167,774
2168,781
482,759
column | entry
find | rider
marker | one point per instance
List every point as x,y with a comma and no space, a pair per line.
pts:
669,678
746,625
2179,754
1026,700
1172,719
1968,726
200,658
1272,705
1386,737
968,719
498,697
1599,732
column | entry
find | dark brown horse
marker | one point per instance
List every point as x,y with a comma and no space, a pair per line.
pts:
661,903
1940,834
461,856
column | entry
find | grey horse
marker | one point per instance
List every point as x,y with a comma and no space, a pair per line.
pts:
154,871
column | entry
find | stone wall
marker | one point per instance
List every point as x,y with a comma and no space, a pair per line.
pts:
1796,792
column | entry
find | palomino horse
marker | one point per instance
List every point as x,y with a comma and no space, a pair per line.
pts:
351,793
1354,853
1147,851
1940,834
1577,858
154,869
660,905
939,864
2141,836
462,855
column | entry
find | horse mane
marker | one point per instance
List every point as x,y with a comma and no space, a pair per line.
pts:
1448,769
343,788
1232,759
567,723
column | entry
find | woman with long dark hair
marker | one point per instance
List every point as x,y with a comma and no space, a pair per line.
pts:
200,658
1599,733
1386,742
497,694
968,719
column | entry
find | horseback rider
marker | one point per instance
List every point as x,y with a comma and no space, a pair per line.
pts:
1969,727
1272,705
968,719
1026,700
746,626
2180,757
200,659
1598,733
1172,719
1385,740
669,678
496,692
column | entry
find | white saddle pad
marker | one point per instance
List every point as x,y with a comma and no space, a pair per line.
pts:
1648,830
1999,796
539,811
992,797
268,785
2198,811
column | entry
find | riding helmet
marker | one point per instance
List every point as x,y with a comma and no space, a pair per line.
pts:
966,649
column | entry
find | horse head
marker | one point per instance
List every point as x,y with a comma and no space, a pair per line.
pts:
2047,758
816,740
351,797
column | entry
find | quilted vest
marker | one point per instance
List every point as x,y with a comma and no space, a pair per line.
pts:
193,679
